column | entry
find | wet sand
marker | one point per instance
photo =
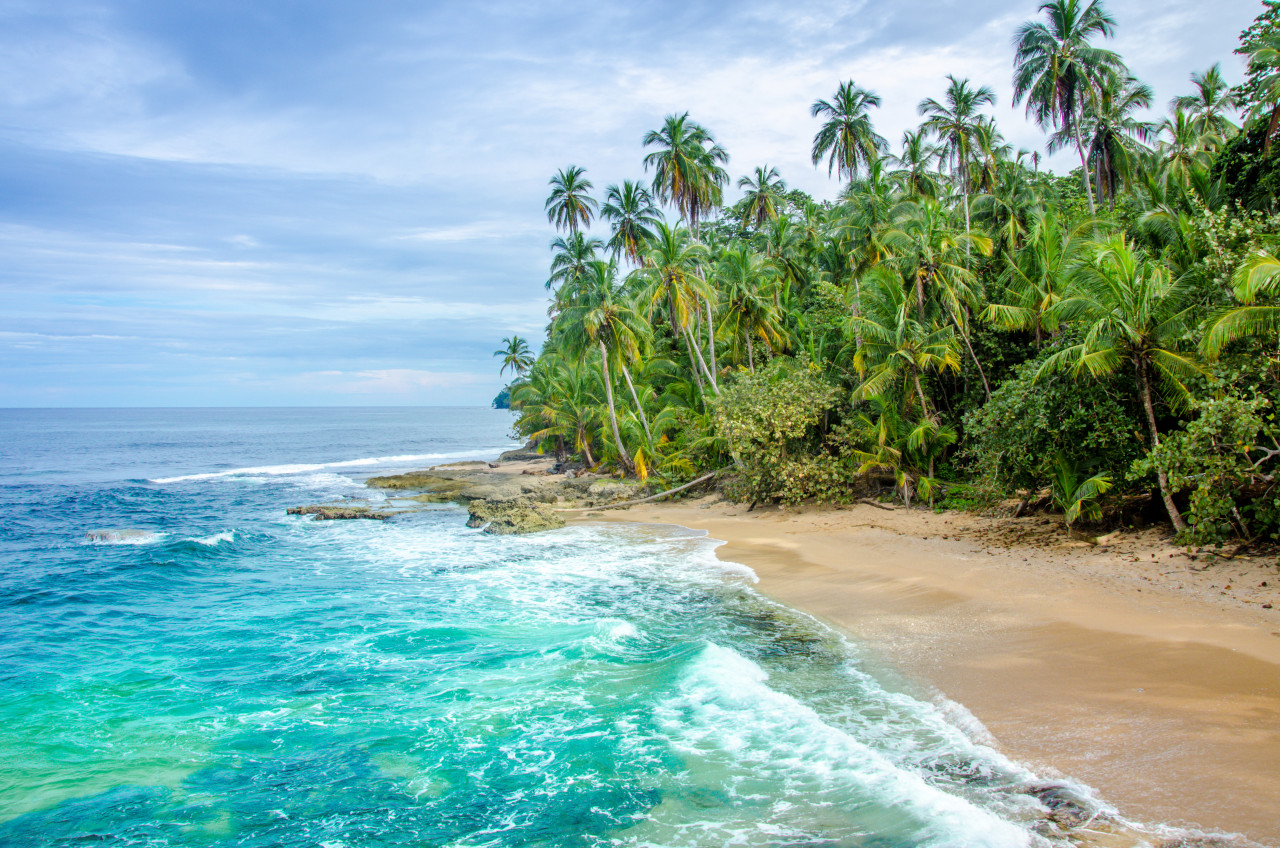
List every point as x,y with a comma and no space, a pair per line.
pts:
1150,675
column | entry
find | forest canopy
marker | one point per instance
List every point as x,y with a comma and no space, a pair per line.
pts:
960,326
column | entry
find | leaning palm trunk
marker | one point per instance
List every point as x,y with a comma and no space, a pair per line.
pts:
639,406
751,359
711,345
613,414
1084,166
1144,386
697,350
678,328
964,334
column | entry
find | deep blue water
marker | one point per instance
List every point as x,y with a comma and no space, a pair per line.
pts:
230,675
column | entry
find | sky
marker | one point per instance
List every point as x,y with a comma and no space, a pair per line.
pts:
324,203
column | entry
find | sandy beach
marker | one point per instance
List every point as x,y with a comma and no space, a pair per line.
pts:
1148,673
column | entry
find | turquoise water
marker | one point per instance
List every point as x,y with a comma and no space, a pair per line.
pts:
234,676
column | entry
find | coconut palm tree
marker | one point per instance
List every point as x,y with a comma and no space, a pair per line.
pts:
1036,277
603,320
1258,277
955,123
515,356
671,276
569,206
1115,136
897,348
1056,68
930,252
1210,103
847,138
1264,61
1132,314
557,404
1185,146
687,166
764,196
746,282
570,259
915,165
632,217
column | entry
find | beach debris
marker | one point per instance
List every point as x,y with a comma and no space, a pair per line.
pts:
877,504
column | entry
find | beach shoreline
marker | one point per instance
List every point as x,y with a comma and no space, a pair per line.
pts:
1128,667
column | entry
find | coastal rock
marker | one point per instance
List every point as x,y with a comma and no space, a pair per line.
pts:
338,512
521,455
512,517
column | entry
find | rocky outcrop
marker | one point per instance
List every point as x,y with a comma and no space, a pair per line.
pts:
339,512
513,517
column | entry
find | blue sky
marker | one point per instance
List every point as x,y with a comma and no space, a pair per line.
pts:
311,202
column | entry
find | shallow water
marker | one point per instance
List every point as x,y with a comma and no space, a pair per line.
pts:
230,675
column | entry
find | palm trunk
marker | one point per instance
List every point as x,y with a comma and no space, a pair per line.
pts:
964,335
678,329
924,404
751,359
613,414
697,350
711,344
586,452
1084,166
1144,386
639,406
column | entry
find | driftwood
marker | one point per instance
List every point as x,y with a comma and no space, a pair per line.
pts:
659,496
877,504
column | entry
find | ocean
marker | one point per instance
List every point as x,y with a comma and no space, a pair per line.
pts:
209,671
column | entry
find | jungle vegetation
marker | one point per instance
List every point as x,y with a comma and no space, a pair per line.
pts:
960,327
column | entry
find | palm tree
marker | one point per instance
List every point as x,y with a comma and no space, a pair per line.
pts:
1115,135
569,206
1056,68
1130,312
954,123
570,261
1257,277
1264,60
915,171
515,356
764,196
931,253
687,167
746,281
604,320
557,403
632,215
671,275
1037,276
847,138
896,347
1209,105
1185,146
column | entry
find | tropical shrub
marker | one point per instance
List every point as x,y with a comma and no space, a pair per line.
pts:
1015,440
775,424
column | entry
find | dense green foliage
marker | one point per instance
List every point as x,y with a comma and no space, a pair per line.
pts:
958,324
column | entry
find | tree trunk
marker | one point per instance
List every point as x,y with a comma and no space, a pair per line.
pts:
1144,386
751,359
1084,166
924,404
678,329
644,419
613,414
711,345
697,349
586,451
964,335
